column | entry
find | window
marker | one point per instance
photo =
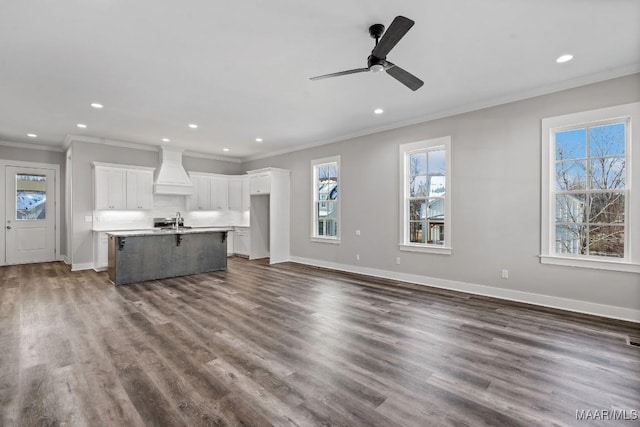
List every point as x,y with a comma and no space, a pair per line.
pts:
425,201
31,197
325,225
590,213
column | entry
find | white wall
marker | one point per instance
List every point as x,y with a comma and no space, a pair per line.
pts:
495,192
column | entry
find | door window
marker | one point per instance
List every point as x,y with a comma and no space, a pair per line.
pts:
31,197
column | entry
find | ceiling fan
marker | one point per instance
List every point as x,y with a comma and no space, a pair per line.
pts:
377,61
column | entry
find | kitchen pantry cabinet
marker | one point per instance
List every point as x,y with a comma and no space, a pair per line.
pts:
260,183
120,187
269,214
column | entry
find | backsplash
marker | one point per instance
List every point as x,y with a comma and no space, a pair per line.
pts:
166,206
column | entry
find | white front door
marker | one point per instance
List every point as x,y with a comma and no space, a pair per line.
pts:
30,215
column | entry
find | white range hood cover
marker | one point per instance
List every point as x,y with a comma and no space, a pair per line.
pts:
171,178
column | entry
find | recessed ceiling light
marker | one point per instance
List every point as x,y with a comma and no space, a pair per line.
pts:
564,58
378,111
258,139
82,126
96,105
193,126
166,140
32,135
225,149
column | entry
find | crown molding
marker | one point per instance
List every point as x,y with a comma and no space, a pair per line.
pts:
112,142
137,146
29,146
467,108
197,154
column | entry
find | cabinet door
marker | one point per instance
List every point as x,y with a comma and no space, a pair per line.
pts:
109,188
241,242
230,250
246,194
139,189
117,189
219,193
235,194
101,259
260,184
101,189
145,190
201,193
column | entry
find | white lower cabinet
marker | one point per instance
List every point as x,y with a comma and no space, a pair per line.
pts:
241,243
230,246
100,250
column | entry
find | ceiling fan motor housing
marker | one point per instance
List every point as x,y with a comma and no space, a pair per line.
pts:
375,64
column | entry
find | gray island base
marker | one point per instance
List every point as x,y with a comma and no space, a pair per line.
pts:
137,256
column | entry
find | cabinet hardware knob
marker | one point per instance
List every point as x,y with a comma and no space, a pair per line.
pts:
8,227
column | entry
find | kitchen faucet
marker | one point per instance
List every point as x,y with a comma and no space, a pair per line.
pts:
178,219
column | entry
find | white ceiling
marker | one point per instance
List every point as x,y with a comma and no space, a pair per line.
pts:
241,69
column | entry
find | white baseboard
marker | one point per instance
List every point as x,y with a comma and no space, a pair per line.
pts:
585,307
64,259
85,266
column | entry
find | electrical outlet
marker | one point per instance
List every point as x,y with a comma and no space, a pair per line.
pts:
88,218
357,257
398,260
357,232
505,274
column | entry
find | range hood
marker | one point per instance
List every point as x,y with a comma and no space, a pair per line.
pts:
171,178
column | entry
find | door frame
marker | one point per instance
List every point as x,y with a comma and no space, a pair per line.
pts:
56,188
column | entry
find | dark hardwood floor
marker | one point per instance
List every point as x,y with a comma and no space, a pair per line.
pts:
294,345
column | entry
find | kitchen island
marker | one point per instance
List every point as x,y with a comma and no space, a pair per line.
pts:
140,255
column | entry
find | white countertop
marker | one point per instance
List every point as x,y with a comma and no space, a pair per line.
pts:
160,232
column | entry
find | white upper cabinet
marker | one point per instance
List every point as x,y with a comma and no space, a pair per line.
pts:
119,187
201,198
210,192
260,183
246,194
139,189
235,193
219,193
110,188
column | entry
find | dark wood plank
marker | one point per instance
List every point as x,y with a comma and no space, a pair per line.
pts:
296,345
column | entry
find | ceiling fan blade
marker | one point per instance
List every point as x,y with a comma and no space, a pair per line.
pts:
404,77
392,36
340,73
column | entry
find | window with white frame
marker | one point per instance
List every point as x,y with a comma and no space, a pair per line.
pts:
591,201
425,198
325,224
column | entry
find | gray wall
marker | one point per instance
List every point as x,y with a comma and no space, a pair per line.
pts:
82,184
202,164
42,156
496,154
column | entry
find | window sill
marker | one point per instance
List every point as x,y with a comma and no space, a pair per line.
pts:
331,240
611,265
431,249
